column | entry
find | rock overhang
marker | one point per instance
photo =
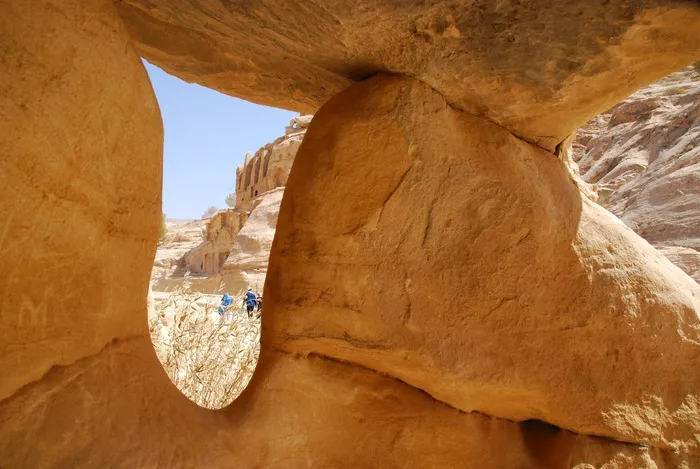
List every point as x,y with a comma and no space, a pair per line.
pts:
539,69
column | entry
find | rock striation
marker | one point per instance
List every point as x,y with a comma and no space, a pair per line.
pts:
451,255
642,160
249,254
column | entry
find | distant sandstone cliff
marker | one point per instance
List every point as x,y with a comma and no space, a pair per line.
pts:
269,168
233,250
642,158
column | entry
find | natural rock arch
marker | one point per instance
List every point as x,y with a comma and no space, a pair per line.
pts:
79,173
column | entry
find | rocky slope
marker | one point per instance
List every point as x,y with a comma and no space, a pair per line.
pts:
642,158
247,262
181,237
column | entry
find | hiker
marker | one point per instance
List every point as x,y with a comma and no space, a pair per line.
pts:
250,301
259,304
226,301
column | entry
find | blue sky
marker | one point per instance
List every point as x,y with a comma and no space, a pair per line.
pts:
207,135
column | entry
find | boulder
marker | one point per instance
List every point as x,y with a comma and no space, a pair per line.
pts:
464,262
429,268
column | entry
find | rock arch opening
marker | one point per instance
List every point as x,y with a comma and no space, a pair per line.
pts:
640,161
200,319
356,380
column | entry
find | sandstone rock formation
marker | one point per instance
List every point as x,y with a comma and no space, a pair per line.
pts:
270,166
539,69
463,292
181,237
246,264
197,252
235,252
80,182
427,262
208,257
642,158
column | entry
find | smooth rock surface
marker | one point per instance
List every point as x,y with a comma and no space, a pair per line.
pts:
464,264
296,413
539,68
80,183
463,261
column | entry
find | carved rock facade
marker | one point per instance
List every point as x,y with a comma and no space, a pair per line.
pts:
220,232
236,248
269,168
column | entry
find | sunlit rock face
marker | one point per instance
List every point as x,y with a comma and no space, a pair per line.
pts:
269,168
465,262
440,294
234,252
539,69
642,158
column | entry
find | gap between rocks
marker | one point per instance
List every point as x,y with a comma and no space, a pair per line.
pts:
477,412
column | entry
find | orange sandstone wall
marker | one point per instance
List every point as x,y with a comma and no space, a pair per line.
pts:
502,291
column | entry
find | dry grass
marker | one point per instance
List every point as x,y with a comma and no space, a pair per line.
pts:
209,358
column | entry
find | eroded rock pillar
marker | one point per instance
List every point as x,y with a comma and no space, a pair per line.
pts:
435,247
80,172
80,184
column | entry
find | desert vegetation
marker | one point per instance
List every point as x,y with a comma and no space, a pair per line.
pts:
209,357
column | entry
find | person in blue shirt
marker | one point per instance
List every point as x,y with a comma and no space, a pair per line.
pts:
226,301
250,302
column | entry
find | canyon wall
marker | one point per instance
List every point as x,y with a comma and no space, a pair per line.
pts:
642,160
234,252
219,233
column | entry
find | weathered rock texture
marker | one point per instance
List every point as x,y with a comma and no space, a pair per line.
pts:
427,263
643,159
540,69
464,262
80,183
180,238
220,231
237,243
166,274
246,264
269,168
